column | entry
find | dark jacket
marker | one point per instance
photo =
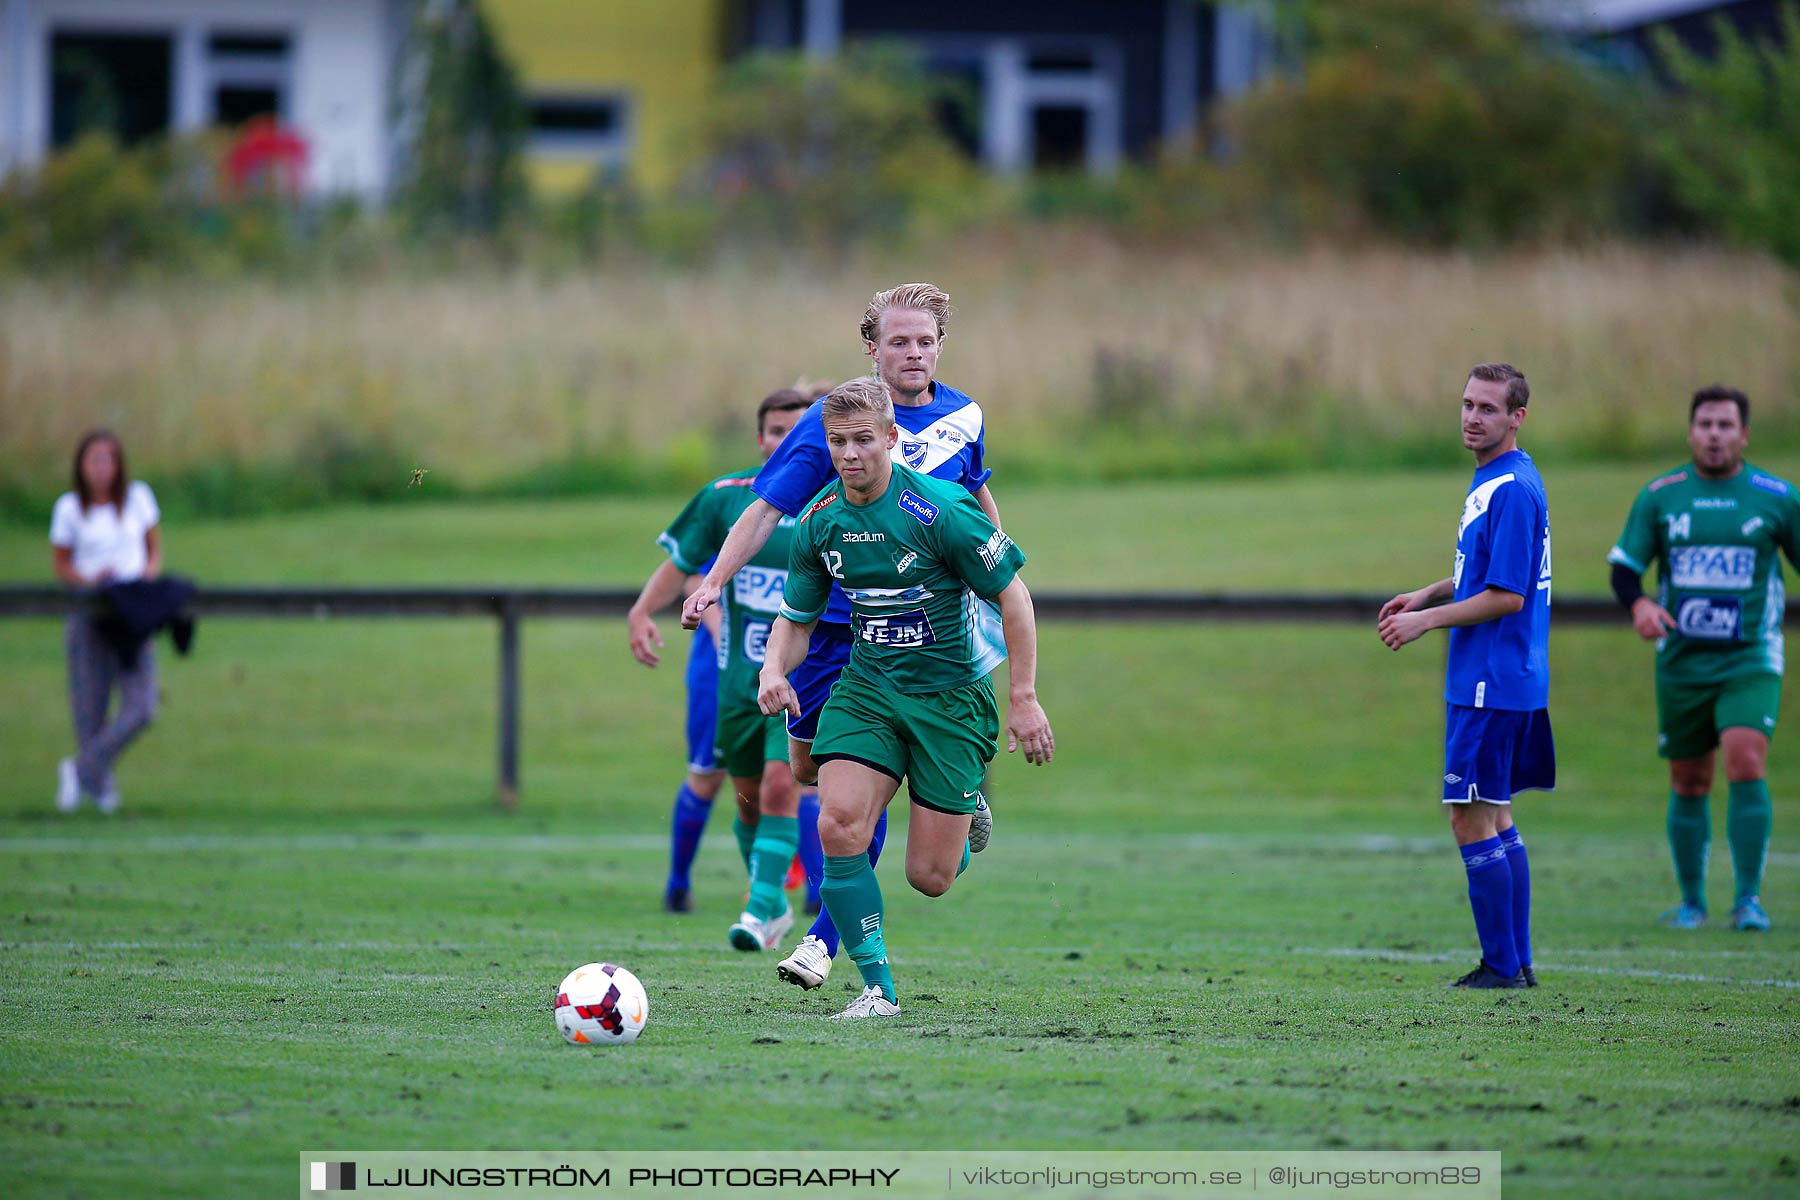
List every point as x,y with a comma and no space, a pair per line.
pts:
131,612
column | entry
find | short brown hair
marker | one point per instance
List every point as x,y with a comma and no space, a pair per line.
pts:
1518,391
780,400
121,478
925,297
1717,392
864,394
814,389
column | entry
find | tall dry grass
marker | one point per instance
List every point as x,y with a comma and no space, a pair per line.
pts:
483,377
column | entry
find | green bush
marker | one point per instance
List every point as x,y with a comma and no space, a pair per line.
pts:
826,151
1437,120
1731,144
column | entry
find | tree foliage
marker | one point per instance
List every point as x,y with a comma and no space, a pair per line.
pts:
1732,144
461,124
1441,120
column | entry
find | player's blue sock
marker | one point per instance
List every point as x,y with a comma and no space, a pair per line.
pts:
1690,841
769,859
746,838
824,928
1490,895
1748,818
812,854
1520,866
851,893
686,823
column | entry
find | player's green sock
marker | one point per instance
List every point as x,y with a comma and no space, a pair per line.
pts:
1690,838
853,898
776,840
1748,818
746,836
964,864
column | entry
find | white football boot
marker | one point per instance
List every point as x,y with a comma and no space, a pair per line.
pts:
756,935
870,1004
68,787
809,965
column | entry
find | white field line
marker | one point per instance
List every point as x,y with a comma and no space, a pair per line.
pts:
1554,966
1629,972
539,843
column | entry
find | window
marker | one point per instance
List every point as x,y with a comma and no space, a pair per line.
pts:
248,75
594,127
113,83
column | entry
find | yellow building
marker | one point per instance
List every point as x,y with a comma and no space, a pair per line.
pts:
614,85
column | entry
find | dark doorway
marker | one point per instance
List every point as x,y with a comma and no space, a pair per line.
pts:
1059,137
235,105
113,83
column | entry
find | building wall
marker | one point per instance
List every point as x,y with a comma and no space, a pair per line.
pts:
341,55
661,56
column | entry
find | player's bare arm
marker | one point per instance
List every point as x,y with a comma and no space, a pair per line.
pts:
785,650
1406,625
985,498
1426,597
663,588
1026,725
749,534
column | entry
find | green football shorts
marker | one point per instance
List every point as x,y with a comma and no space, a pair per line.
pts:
744,739
939,742
1689,716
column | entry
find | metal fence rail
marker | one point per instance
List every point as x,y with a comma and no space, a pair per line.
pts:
510,606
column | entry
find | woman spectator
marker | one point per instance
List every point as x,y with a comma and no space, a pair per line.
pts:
104,531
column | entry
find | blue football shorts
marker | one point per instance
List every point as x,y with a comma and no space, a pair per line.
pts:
1490,753
826,657
702,702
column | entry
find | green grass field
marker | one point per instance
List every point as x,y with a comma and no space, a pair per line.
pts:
1220,920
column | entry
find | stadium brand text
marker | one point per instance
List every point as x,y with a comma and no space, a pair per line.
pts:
865,537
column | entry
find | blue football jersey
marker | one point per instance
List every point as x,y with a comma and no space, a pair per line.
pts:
1503,541
945,438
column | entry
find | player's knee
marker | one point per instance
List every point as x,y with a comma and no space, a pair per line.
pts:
929,879
1744,764
1691,777
839,835
806,771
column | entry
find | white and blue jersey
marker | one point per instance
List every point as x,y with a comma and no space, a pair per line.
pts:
1503,541
945,438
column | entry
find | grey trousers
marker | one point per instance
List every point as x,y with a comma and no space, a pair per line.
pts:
94,669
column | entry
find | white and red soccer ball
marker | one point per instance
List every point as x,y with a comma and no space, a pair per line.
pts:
601,1005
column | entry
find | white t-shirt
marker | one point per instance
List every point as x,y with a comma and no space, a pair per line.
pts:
103,538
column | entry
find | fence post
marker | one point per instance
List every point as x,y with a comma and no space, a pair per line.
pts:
509,703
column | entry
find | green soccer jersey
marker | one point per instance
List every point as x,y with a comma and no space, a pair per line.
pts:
918,565
1715,542
749,605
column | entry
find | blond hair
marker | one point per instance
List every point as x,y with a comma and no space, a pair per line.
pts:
864,395
926,297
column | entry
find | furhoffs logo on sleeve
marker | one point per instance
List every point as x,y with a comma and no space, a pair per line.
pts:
922,509
334,1177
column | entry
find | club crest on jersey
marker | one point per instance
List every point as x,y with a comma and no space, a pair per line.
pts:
822,502
906,560
1729,567
1751,526
923,509
913,452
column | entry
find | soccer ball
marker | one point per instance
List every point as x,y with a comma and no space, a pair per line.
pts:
600,1004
